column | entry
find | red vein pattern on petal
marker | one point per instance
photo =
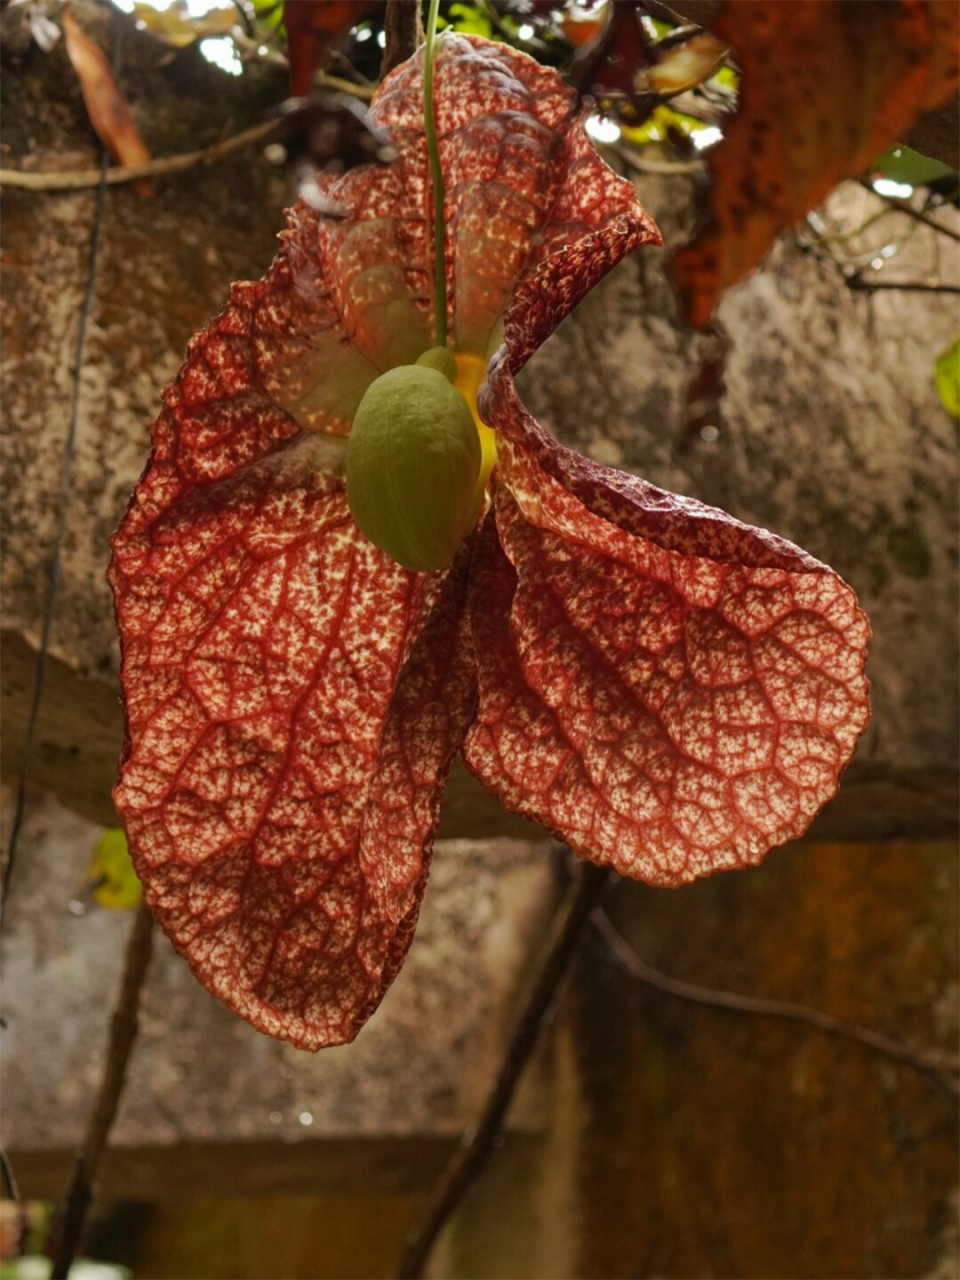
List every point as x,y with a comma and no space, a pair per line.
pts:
528,454
273,677
666,713
271,691
522,179
433,704
298,348
669,690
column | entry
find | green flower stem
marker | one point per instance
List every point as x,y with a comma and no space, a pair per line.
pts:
436,174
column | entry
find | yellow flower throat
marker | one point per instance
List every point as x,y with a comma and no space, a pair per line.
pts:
471,371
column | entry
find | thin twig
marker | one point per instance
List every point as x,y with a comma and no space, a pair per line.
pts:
842,237
925,1060
62,181
404,33
657,9
67,1224
9,1177
13,1194
478,1142
164,166
245,17
679,35
904,206
252,48
342,85
858,284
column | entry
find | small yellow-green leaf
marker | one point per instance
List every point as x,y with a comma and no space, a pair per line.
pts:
903,164
947,378
111,875
659,125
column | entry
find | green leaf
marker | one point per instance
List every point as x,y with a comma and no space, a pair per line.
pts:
658,125
728,78
903,164
467,19
656,28
268,16
947,378
111,874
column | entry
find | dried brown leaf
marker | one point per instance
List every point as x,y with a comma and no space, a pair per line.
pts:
105,102
827,85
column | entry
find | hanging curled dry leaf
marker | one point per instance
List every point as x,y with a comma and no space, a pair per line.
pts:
827,85
580,26
312,27
617,62
618,59
688,64
105,102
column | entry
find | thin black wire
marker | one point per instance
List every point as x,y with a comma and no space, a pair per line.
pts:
6,1168
66,482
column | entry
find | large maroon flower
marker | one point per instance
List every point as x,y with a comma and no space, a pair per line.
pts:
668,690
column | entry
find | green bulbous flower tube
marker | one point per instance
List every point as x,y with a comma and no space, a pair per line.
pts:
413,461
414,456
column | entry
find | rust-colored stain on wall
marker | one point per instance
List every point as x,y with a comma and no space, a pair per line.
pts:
725,1144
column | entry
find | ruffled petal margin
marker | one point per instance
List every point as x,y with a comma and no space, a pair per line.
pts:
522,179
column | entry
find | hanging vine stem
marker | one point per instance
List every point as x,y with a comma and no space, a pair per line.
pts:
67,1224
436,177
478,1142
403,30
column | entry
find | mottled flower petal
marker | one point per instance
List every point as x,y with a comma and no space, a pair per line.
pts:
294,700
669,690
521,177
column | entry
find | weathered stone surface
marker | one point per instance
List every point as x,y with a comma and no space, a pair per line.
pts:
673,1139
201,1075
163,268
